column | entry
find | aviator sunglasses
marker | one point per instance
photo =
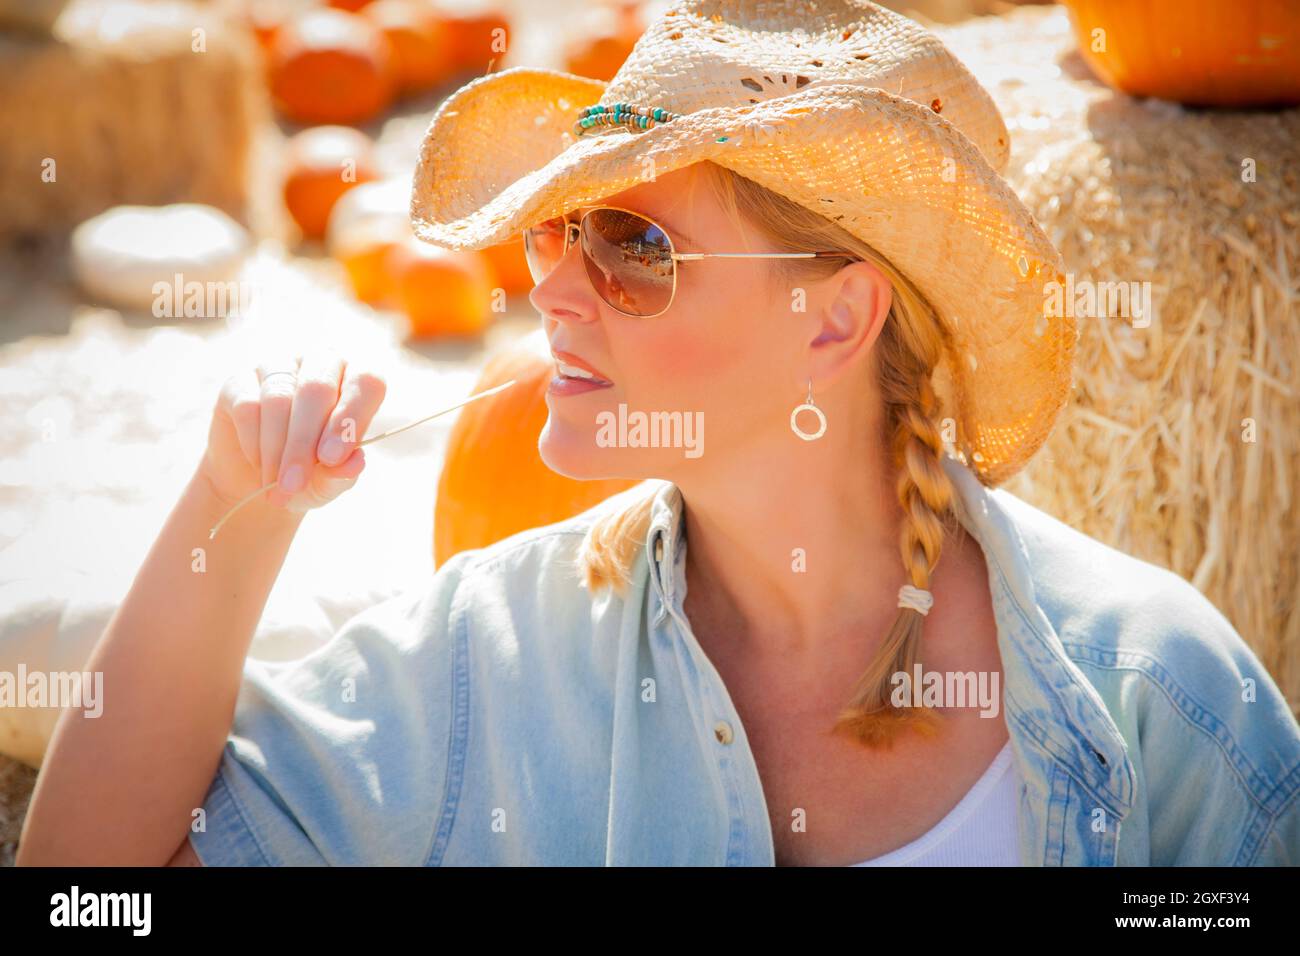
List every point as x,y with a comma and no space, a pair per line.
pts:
629,258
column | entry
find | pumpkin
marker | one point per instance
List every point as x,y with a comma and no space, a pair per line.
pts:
324,162
366,225
601,52
441,292
328,66
419,41
178,260
1197,52
471,38
510,266
366,253
265,17
494,482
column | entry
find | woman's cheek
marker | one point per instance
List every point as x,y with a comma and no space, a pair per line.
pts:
689,357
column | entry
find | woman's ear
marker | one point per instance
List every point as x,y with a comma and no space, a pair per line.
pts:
859,297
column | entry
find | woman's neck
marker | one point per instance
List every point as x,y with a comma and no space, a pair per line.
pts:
794,554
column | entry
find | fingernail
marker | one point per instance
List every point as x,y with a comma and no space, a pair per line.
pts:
291,480
332,451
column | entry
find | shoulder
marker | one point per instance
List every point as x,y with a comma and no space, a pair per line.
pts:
1181,683
527,592
542,561
1120,610
1100,594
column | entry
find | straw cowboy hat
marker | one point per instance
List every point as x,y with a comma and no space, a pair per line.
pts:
845,107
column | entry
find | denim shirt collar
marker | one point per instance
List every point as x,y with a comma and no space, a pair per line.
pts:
1050,705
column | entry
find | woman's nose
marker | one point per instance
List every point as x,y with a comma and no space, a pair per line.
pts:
565,293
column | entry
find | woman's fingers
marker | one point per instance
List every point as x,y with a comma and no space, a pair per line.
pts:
327,483
360,396
316,396
276,396
240,399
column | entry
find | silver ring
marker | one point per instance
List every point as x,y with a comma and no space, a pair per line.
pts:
269,375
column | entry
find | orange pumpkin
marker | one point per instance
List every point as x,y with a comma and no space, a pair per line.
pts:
366,253
600,54
477,39
1198,52
510,266
264,18
328,66
419,41
494,482
365,226
442,292
324,162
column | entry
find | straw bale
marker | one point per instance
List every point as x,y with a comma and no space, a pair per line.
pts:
32,16
1153,454
128,110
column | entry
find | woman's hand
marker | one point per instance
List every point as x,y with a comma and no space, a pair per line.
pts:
296,420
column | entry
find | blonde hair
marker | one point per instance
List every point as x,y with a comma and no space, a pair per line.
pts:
910,346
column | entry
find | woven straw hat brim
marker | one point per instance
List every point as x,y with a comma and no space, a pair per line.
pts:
499,156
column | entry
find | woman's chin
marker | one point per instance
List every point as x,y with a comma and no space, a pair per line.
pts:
577,456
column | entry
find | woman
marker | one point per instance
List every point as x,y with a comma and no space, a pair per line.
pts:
865,656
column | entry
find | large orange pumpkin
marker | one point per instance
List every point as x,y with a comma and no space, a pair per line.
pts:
366,253
265,17
367,224
494,482
442,292
1198,52
328,66
324,162
419,40
510,266
600,54
477,38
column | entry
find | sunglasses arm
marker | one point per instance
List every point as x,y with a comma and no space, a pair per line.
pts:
692,256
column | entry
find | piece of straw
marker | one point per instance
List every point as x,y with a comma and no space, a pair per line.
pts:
249,497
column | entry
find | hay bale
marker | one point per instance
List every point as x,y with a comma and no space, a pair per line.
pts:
1153,455
128,110
32,16
16,784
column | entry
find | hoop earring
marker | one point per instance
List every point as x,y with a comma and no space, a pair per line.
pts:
808,405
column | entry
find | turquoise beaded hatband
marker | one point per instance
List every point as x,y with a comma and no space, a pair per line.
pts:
622,114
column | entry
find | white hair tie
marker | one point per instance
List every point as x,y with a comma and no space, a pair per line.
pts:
918,599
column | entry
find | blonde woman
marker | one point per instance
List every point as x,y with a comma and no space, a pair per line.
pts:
817,636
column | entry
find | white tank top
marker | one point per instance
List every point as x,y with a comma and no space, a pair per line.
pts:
979,831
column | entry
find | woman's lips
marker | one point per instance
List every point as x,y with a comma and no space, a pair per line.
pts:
578,363
562,385
573,375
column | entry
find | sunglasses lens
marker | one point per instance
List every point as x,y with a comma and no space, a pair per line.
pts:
629,260
544,247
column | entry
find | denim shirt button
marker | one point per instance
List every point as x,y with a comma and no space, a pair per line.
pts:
722,730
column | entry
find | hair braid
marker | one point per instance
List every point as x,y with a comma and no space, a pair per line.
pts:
908,353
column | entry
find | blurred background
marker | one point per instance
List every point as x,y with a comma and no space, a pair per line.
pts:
180,181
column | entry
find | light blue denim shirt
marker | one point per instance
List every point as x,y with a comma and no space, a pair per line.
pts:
504,716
